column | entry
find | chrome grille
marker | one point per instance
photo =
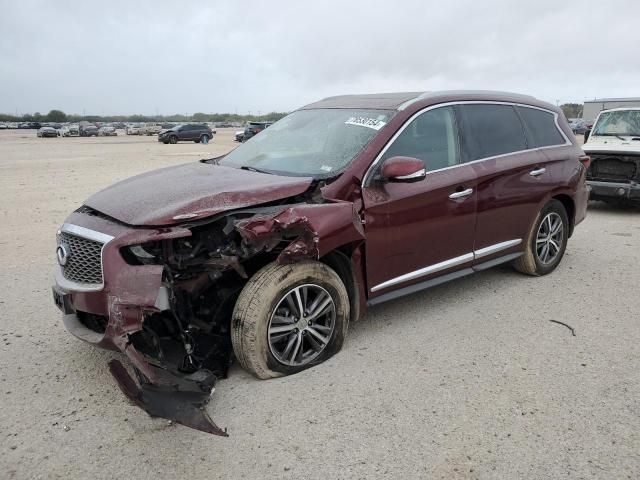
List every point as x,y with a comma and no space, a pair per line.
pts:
84,264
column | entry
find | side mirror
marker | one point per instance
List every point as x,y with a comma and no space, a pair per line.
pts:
586,135
403,169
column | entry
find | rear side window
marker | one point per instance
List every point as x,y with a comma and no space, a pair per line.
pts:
490,130
432,137
541,127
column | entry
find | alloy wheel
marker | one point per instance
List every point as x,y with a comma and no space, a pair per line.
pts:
549,238
301,325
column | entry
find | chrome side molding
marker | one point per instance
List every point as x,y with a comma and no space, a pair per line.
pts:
452,262
491,249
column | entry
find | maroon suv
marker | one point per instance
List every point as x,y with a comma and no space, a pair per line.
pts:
268,252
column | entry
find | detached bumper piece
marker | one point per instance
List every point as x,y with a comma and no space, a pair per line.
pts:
182,402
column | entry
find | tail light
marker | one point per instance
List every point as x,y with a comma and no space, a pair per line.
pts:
585,160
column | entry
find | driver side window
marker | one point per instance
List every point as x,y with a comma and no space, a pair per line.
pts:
431,137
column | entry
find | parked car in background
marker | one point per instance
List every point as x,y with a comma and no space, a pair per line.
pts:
254,128
107,131
271,251
578,126
30,125
88,131
239,135
187,132
4,126
614,147
133,130
72,130
150,129
47,132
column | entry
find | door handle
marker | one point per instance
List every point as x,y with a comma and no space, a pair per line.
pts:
537,172
461,194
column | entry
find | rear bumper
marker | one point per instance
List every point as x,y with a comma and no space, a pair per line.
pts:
614,190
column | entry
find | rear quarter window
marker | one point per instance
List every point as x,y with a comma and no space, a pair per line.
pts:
489,130
541,127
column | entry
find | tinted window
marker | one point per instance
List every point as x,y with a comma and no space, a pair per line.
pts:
541,127
431,137
491,130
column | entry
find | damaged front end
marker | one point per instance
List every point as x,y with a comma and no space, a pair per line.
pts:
167,295
614,176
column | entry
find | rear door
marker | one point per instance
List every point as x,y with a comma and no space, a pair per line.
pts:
417,231
513,176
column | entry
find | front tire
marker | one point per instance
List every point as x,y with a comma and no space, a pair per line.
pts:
271,337
173,140
547,241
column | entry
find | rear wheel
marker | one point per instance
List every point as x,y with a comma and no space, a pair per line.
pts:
204,139
289,318
546,242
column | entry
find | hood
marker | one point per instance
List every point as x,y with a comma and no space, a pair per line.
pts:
196,190
609,144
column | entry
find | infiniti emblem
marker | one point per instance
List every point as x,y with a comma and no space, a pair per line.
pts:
63,254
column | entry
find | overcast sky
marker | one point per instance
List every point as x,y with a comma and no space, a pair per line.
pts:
110,57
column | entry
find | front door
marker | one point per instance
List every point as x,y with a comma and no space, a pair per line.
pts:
416,231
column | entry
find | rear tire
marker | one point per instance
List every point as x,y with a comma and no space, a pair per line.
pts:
546,242
262,307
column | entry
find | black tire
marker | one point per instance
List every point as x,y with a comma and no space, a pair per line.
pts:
257,303
173,139
196,141
531,262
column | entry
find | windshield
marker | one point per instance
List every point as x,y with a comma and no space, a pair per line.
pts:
622,122
318,143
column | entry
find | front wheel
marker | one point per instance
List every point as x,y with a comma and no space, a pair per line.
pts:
289,318
546,242
173,139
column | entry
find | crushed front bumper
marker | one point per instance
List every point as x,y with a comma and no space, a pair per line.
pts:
127,294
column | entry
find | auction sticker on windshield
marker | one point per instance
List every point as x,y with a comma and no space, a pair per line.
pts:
366,122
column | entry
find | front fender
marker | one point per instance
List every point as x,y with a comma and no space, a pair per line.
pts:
317,228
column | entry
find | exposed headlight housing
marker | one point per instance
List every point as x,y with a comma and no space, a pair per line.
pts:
139,255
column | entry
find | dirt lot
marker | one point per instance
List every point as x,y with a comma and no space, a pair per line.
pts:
467,380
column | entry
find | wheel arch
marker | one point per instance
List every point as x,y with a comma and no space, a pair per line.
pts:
344,262
570,207
329,232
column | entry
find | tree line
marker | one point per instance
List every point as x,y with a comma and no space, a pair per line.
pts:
58,116
571,110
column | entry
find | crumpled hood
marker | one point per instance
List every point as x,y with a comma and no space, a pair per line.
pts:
191,191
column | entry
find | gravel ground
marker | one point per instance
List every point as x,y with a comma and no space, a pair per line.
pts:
467,380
